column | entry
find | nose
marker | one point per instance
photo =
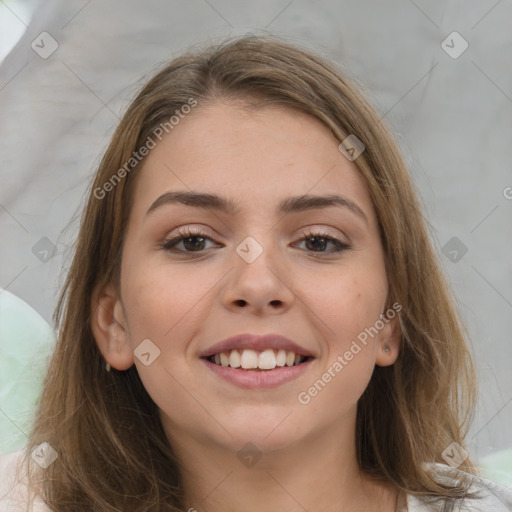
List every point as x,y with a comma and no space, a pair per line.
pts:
261,286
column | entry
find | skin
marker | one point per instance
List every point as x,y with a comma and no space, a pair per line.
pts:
187,302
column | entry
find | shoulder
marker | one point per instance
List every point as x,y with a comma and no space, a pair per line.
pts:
14,494
493,497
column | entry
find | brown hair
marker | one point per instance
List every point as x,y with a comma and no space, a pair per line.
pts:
113,453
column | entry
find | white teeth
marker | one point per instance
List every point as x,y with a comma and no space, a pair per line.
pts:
250,359
234,359
267,360
281,358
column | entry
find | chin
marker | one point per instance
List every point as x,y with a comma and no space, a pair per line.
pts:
269,432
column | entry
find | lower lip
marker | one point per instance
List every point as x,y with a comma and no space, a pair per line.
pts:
251,379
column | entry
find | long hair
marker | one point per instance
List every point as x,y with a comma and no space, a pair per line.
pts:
112,451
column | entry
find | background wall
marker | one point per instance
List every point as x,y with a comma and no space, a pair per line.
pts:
71,67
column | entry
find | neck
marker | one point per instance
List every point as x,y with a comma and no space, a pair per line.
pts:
319,473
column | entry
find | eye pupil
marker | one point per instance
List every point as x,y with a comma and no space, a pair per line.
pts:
194,246
316,245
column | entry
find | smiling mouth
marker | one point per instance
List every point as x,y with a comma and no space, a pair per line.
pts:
248,359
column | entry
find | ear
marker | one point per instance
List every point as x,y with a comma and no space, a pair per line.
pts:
389,337
109,328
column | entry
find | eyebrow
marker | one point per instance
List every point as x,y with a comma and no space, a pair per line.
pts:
293,204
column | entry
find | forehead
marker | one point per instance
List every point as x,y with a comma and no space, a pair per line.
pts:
256,157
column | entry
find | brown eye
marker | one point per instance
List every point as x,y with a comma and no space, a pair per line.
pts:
192,242
321,240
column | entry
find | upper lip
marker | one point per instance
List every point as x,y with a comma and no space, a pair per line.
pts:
255,342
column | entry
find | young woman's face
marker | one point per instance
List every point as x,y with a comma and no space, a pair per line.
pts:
315,276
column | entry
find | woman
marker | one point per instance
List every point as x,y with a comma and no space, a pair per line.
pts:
255,318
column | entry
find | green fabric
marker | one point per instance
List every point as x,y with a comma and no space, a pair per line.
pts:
497,466
26,343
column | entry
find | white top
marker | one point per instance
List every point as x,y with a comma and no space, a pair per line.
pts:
496,497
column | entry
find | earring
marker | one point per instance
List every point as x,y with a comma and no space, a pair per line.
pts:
107,367
386,348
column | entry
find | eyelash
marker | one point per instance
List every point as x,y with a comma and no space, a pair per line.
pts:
169,245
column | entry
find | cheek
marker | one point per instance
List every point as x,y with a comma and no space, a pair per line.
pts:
164,308
167,307
357,299
348,307
337,390
349,303
160,303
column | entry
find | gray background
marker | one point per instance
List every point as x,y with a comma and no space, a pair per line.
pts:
452,118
